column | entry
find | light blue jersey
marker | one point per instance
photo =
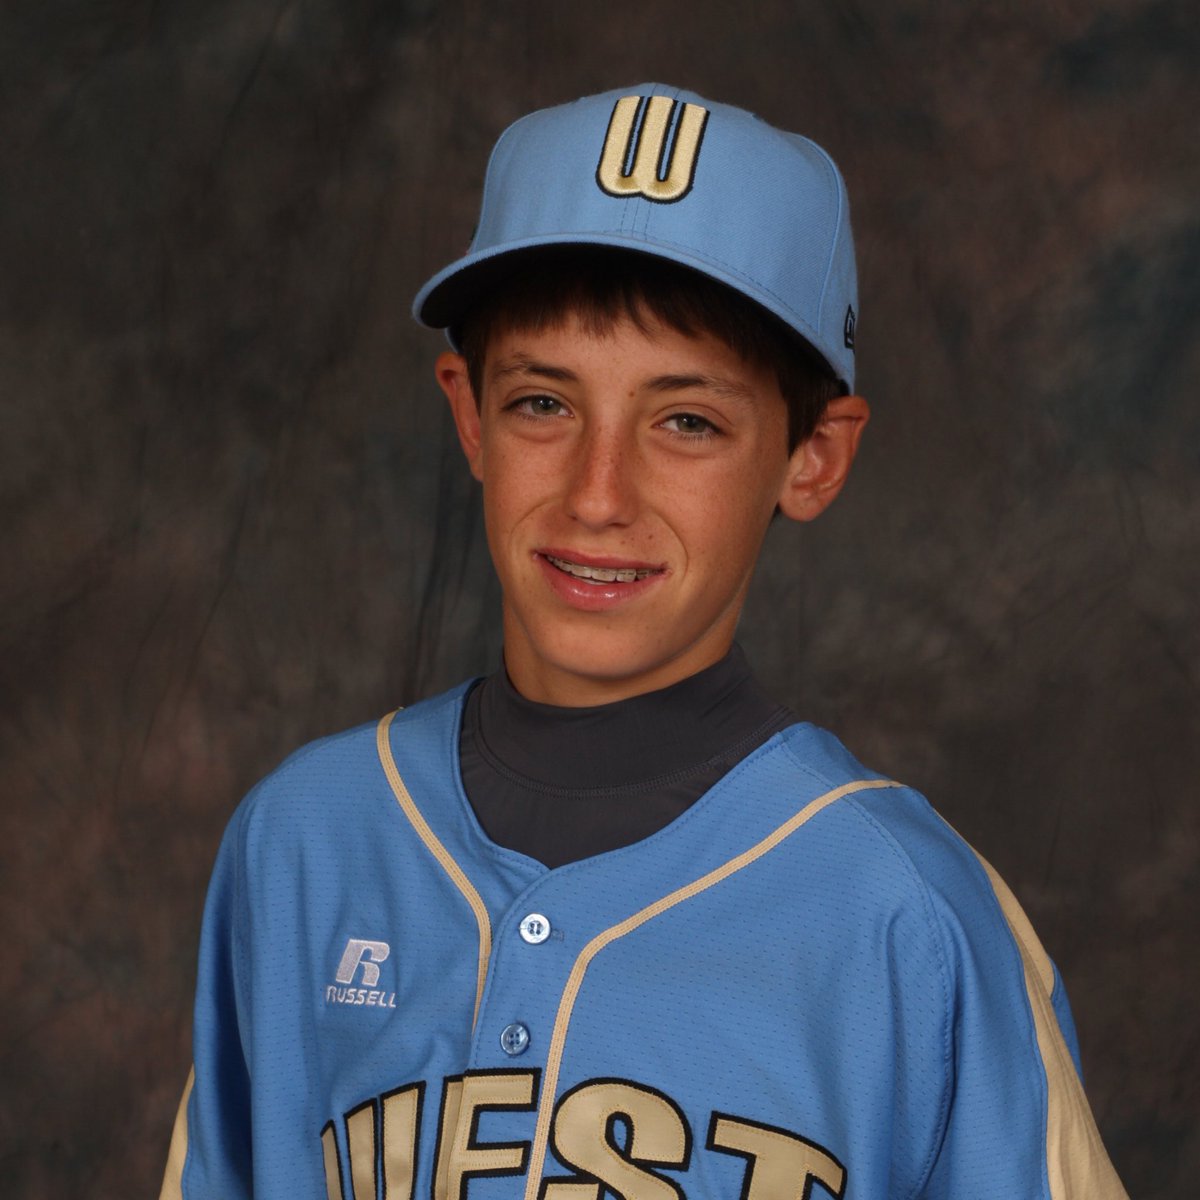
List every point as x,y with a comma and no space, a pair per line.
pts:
807,986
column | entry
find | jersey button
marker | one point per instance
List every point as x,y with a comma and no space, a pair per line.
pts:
535,929
514,1039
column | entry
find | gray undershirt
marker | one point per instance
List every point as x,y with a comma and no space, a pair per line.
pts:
562,784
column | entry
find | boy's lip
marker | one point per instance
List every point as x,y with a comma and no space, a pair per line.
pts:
615,580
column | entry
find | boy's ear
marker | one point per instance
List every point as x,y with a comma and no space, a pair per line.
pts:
451,372
819,465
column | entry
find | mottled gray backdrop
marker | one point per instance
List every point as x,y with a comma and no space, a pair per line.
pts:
234,516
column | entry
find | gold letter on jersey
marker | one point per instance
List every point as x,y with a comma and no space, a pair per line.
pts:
333,1169
360,1137
585,1125
459,1155
658,172
781,1166
399,1120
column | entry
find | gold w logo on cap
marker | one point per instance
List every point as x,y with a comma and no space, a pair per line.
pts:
661,170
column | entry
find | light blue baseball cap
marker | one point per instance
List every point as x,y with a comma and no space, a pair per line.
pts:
665,172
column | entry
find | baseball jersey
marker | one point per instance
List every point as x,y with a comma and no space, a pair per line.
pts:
805,986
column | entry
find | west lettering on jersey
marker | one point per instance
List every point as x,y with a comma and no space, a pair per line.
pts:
584,1135
360,1137
780,1165
617,1136
333,1162
460,1156
400,1136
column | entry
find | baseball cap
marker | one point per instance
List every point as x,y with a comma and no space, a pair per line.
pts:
664,172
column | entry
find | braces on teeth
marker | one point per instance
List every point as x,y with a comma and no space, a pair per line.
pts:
602,574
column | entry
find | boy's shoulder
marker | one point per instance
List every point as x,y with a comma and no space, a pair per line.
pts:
887,811
326,779
888,840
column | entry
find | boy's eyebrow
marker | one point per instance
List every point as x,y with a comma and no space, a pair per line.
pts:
727,388
522,364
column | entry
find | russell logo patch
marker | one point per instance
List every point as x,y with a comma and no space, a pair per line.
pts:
364,956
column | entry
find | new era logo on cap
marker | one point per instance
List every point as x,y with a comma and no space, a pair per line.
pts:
665,172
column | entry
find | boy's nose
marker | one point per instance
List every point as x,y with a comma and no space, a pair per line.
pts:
603,485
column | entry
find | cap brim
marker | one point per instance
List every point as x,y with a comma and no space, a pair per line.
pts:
451,294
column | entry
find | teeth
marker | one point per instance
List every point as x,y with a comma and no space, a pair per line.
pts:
601,574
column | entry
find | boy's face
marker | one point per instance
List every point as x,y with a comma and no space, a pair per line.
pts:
628,480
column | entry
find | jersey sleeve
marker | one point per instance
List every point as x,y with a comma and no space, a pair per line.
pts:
210,1146
1018,1122
1066,1020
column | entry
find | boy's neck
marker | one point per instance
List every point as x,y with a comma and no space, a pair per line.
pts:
630,741
545,682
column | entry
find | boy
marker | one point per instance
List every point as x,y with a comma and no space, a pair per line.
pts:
611,921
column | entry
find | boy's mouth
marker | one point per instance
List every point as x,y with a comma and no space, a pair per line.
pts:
601,574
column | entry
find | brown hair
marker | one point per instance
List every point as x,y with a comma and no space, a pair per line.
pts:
600,286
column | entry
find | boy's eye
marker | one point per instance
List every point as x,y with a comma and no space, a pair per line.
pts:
691,424
537,406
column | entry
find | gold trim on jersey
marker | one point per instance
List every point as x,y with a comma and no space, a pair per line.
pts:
566,1003
172,1184
435,847
1077,1164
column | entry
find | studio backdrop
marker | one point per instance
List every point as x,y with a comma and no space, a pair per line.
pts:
235,516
